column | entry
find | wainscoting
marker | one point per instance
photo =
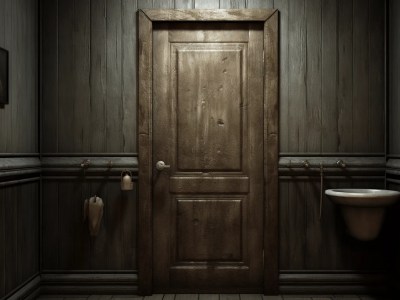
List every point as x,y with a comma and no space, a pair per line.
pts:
19,225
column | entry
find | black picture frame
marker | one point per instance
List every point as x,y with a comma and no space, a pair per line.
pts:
4,74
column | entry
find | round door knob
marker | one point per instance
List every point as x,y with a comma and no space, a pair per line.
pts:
160,165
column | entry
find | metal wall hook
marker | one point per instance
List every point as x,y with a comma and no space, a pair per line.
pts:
341,163
85,163
306,164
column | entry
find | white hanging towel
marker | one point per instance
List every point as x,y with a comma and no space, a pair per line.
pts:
93,212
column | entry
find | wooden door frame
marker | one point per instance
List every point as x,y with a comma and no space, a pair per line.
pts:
269,17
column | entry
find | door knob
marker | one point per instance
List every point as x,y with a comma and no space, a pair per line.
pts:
160,165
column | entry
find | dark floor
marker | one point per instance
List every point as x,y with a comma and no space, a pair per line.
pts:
211,297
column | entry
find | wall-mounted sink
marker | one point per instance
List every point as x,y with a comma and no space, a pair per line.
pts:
363,209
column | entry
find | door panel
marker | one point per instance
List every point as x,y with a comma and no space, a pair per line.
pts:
208,126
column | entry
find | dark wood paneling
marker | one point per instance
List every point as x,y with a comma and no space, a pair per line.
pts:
331,68
67,244
19,235
18,34
310,243
320,107
394,77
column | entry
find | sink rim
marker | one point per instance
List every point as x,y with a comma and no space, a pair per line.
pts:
361,193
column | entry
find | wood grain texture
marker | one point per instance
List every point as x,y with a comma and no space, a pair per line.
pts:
376,75
361,75
329,105
145,154
188,232
19,119
91,63
302,26
314,73
297,68
98,78
67,244
208,14
394,77
309,247
271,153
345,74
19,227
207,4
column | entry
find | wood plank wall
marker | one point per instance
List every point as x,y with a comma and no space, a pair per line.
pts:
19,35
332,68
393,149
394,79
19,136
19,235
331,103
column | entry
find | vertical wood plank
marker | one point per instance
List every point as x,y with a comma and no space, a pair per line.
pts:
314,232
360,77
66,67
297,225
11,234
114,106
81,48
145,155
145,4
376,76
284,230
394,77
184,4
208,4
297,73
129,79
14,92
2,238
114,225
271,154
232,4
28,231
50,226
283,7
49,65
329,77
98,76
260,4
75,242
127,203
3,132
345,75
163,4
313,80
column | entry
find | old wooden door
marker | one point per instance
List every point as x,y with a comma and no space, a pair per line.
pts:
208,163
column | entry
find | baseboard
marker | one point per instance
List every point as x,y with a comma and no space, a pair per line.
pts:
29,290
332,283
89,283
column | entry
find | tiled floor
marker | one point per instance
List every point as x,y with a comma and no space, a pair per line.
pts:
213,297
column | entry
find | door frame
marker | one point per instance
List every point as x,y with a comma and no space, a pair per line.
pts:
270,19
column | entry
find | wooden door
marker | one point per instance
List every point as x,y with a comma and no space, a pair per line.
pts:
208,151
207,125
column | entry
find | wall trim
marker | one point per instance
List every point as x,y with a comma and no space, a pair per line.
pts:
85,154
106,165
95,283
328,282
28,290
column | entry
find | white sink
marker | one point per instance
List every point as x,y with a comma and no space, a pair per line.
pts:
363,197
363,210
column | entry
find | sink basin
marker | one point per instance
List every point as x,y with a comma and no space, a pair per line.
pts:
363,210
363,197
